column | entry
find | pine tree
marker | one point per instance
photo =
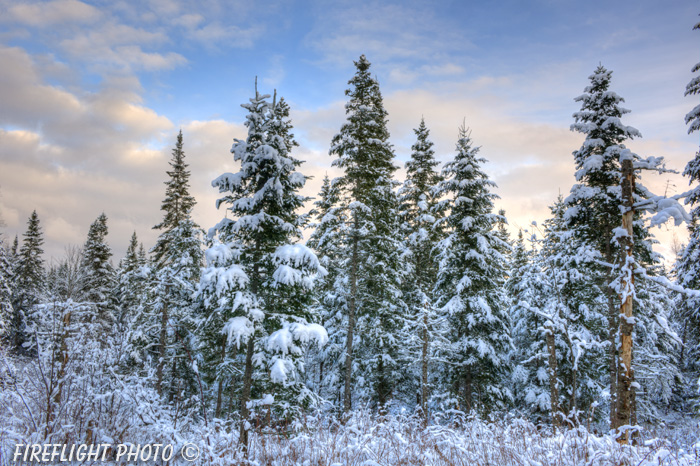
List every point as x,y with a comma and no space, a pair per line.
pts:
256,287
29,281
372,264
418,218
98,274
468,286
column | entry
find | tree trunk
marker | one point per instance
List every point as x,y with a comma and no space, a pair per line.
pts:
553,389
162,344
625,371
468,390
612,338
245,395
424,370
347,403
221,381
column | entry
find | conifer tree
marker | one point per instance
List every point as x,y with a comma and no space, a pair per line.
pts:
131,282
256,287
469,278
687,268
374,300
98,274
595,214
327,240
167,319
424,334
29,281
6,279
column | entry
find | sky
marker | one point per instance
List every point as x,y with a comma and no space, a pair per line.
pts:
93,94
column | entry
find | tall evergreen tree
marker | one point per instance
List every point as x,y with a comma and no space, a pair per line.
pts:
595,214
256,287
418,218
469,287
29,281
372,260
687,267
167,318
98,274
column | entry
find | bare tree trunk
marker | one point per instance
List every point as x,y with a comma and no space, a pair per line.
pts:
347,402
553,389
625,371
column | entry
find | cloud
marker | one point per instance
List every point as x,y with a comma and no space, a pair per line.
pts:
52,13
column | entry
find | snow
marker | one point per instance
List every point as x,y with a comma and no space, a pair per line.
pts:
238,329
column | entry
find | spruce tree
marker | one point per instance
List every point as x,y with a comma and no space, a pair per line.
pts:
167,318
131,282
372,259
469,283
258,281
424,332
98,274
6,279
687,267
328,241
607,186
29,281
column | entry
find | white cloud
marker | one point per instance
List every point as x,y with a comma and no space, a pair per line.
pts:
44,14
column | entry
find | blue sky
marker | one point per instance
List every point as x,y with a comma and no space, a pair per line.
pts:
92,94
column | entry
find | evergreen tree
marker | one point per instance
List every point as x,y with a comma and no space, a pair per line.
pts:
29,281
424,332
167,320
328,241
373,257
98,274
687,267
469,283
605,211
6,279
177,205
693,88
256,287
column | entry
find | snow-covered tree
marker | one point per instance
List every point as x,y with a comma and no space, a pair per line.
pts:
256,288
687,268
166,321
595,204
424,332
469,290
6,279
373,259
98,276
328,240
131,282
28,282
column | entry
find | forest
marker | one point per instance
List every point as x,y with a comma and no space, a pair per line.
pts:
384,322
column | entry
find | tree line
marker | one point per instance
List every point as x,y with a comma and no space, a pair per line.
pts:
407,295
